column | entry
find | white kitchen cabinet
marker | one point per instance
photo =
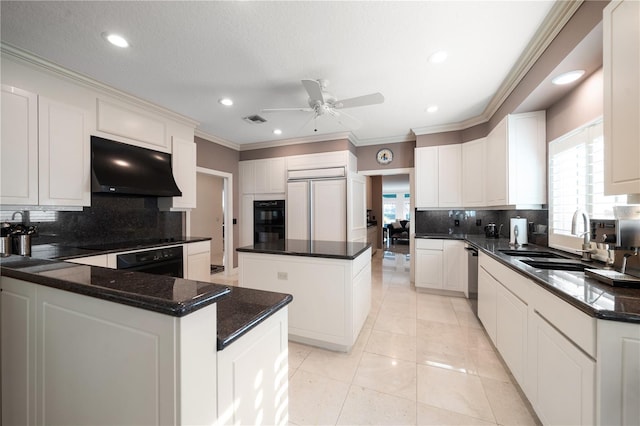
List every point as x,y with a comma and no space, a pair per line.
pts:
54,339
19,147
511,331
244,369
440,265
487,302
621,67
515,160
473,173
197,261
246,220
565,377
266,176
183,165
64,154
438,176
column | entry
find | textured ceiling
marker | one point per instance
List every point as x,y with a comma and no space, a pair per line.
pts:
187,55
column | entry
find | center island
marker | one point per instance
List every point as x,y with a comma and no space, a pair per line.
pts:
330,282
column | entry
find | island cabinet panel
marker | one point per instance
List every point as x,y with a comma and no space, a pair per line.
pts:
83,360
99,260
197,261
331,297
253,376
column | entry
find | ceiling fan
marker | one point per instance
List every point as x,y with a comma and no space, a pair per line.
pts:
321,103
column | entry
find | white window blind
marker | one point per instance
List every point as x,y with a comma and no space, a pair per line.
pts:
576,180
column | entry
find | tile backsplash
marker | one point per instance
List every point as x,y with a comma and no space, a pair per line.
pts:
444,221
111,218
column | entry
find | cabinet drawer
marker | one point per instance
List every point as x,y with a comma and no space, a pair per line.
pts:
199,247
429,244
517,284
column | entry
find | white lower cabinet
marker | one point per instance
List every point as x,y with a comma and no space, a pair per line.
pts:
511,331
99,260
441,265
487,300
252,376
565,377
197,264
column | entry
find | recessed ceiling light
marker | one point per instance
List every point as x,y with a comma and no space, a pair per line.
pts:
438,57
277,131
432,109
568,77
225,101
116,40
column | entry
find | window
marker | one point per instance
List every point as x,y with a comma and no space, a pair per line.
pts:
396,207
576,180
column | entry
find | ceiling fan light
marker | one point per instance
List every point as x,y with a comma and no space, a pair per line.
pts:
277,131
116,39
567,77
438,57
225,101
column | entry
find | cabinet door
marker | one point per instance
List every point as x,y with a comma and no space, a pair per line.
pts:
454,266
184,171
511,331
246,220
19,147
473,173
277,175
450,176
487,293
247,172
621,67
527,158
428,269
565,378
496,163
64,155
199,267
426,177
261,176
329,210
99,260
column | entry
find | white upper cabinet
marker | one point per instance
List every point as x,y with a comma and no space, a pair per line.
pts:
473,173
183,164
64,154
515,161
438,171
621,68
19,147
267,176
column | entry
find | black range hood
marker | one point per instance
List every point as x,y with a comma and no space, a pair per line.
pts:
119,168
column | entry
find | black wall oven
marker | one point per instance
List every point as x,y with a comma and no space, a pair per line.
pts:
159,261
268,221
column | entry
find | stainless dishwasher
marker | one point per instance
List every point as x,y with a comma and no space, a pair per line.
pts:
472,266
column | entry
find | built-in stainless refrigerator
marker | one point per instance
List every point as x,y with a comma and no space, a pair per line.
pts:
317,204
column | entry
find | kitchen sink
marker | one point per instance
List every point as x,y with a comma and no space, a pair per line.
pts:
556,264
531,253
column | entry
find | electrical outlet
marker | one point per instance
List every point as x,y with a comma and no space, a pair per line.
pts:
283,276
478,222
456,222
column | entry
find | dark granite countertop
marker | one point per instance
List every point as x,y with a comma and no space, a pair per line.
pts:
441,236
596,299
167,295
309,248
244,308
84,249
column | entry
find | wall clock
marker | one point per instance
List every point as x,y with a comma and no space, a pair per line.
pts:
384,156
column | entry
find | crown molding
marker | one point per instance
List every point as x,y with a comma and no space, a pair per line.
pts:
557,18
217,140
386,141
42,64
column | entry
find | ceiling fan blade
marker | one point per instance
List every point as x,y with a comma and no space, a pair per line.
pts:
371,99
314,89
302,109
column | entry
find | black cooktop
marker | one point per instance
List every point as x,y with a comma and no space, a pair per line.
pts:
126,245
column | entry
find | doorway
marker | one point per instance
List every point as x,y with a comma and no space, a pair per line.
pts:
212,216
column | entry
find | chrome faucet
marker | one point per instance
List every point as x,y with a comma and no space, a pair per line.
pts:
624,260
13,216
586,244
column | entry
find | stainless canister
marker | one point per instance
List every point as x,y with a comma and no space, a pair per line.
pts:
5,246
22,244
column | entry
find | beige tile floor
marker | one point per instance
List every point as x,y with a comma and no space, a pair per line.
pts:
420,359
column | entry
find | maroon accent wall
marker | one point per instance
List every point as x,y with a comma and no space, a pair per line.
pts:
402,156
210,155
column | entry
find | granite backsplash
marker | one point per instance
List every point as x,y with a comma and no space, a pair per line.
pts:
111,218
444,222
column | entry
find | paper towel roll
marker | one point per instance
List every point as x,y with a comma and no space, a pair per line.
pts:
521,223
